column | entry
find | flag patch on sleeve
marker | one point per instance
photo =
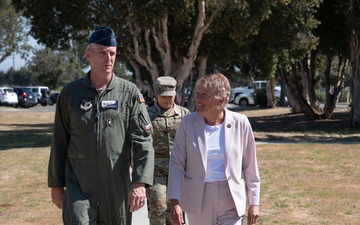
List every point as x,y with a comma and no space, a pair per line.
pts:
141,98
148,127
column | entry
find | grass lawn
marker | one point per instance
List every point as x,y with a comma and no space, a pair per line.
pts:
309,183
303,182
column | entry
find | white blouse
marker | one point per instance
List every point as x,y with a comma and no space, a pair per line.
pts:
214,137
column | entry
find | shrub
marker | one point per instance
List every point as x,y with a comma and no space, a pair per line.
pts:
260,98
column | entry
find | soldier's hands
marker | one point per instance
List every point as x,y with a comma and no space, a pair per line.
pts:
137,196
57,196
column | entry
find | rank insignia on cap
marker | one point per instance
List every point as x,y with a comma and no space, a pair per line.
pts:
141,98
86,104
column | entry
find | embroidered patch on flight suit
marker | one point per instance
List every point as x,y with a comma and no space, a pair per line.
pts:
141,98
148,127
110,104
86,104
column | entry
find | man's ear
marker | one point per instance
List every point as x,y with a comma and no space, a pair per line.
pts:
87,54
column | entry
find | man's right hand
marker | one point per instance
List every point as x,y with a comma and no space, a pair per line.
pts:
57,196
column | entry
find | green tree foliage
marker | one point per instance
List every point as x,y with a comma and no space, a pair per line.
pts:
22,77
13,36
283,39
120,71
54,68
185,39
164,37
227,41
332,55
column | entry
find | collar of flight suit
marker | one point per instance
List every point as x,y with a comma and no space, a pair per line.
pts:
110,86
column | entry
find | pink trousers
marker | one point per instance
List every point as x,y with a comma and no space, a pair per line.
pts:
218,207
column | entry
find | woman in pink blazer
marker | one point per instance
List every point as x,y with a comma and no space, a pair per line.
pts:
213,171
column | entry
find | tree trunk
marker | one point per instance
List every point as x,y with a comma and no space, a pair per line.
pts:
286,88
293,88
140,83
179,67
270,86
283,99
330,101
355,79
309,81
333,91
201,71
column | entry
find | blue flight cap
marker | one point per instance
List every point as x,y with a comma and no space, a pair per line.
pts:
104,36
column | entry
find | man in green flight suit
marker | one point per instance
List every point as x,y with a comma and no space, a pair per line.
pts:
165,116
101,129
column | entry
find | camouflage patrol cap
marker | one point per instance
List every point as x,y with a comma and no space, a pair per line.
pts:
165,86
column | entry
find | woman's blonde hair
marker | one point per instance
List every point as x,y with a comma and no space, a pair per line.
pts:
218,84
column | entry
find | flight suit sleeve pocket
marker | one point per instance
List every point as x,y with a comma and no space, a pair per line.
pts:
144,124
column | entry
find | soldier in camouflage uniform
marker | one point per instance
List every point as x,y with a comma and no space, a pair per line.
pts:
165,116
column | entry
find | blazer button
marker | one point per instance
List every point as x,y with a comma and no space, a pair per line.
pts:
229,178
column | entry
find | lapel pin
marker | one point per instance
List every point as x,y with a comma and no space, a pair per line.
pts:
228,126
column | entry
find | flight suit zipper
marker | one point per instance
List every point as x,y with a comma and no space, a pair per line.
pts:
97,124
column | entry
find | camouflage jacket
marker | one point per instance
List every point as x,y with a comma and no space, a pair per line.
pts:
165,124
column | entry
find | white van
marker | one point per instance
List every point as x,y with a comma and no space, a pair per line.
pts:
38,90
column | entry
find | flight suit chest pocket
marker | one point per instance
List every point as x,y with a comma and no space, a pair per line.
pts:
111,116
112,113
83,111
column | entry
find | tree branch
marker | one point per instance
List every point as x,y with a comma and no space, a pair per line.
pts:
162,44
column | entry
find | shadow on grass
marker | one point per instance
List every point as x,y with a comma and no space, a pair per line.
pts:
296,128
26,136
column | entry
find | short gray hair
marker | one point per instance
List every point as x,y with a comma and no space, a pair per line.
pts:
218,84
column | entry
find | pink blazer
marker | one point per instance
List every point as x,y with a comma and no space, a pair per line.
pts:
188,162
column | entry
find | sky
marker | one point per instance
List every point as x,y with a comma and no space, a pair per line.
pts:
10,62
16,61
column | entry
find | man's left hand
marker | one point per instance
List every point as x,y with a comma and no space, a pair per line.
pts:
137,196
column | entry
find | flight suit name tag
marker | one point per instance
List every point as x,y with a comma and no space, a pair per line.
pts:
110,104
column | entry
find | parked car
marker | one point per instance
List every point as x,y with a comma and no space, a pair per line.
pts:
244,96
26,97
234,92
45,97
8,97
53,98
187,94
40,91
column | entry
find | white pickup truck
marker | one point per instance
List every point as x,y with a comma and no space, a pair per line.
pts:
244,96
